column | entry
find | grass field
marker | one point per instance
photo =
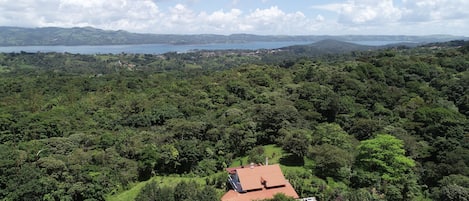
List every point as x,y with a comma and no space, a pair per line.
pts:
132,193
274,153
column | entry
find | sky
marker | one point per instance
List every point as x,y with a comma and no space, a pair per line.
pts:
263,17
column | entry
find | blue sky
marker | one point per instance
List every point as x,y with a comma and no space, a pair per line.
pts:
265,17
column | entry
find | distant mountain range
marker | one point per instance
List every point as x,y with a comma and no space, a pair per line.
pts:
18,36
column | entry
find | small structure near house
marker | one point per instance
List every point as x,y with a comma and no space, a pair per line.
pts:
307,199
256,183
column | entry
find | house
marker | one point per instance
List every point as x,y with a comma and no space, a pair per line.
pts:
257,182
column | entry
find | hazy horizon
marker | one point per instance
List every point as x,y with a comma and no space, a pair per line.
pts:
230,34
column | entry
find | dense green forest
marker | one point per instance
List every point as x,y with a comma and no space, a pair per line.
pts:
389,124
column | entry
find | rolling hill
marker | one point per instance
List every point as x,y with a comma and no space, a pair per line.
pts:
19,36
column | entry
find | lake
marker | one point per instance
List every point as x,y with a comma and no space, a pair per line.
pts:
164,48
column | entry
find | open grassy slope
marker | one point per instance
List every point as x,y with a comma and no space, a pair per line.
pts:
274,153
132,193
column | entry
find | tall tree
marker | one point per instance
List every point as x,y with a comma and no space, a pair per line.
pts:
297,142
382,159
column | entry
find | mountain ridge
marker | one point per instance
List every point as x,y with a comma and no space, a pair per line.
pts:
22,36
331,46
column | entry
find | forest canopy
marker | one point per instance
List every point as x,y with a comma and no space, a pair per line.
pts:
387,124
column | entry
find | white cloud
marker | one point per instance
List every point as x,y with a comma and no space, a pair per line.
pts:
357,12
260,21
431,10
275,21
266,16
400,16
367,12
236,16
116,14
372,11
181,15
320,18
220,17
221,21
147,16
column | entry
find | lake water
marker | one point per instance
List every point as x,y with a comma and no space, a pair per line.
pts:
164,48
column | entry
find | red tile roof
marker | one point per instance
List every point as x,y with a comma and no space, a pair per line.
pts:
265,193
260,182
232,170
253,177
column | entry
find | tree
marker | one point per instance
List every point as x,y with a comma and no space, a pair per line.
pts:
440,122
153,192
240,89
457,179
323,98
361,194
190,153
168,159
333,134
257,155
453,192
188,130
147,160
148,192
384,156
185,191
208,193
280,197
240,137
272,118
6,122
297,142
364,129
331,161
29,184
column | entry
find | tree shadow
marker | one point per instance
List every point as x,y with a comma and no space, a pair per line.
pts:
292,160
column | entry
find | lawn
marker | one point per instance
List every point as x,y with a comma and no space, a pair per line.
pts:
132,193
274,154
